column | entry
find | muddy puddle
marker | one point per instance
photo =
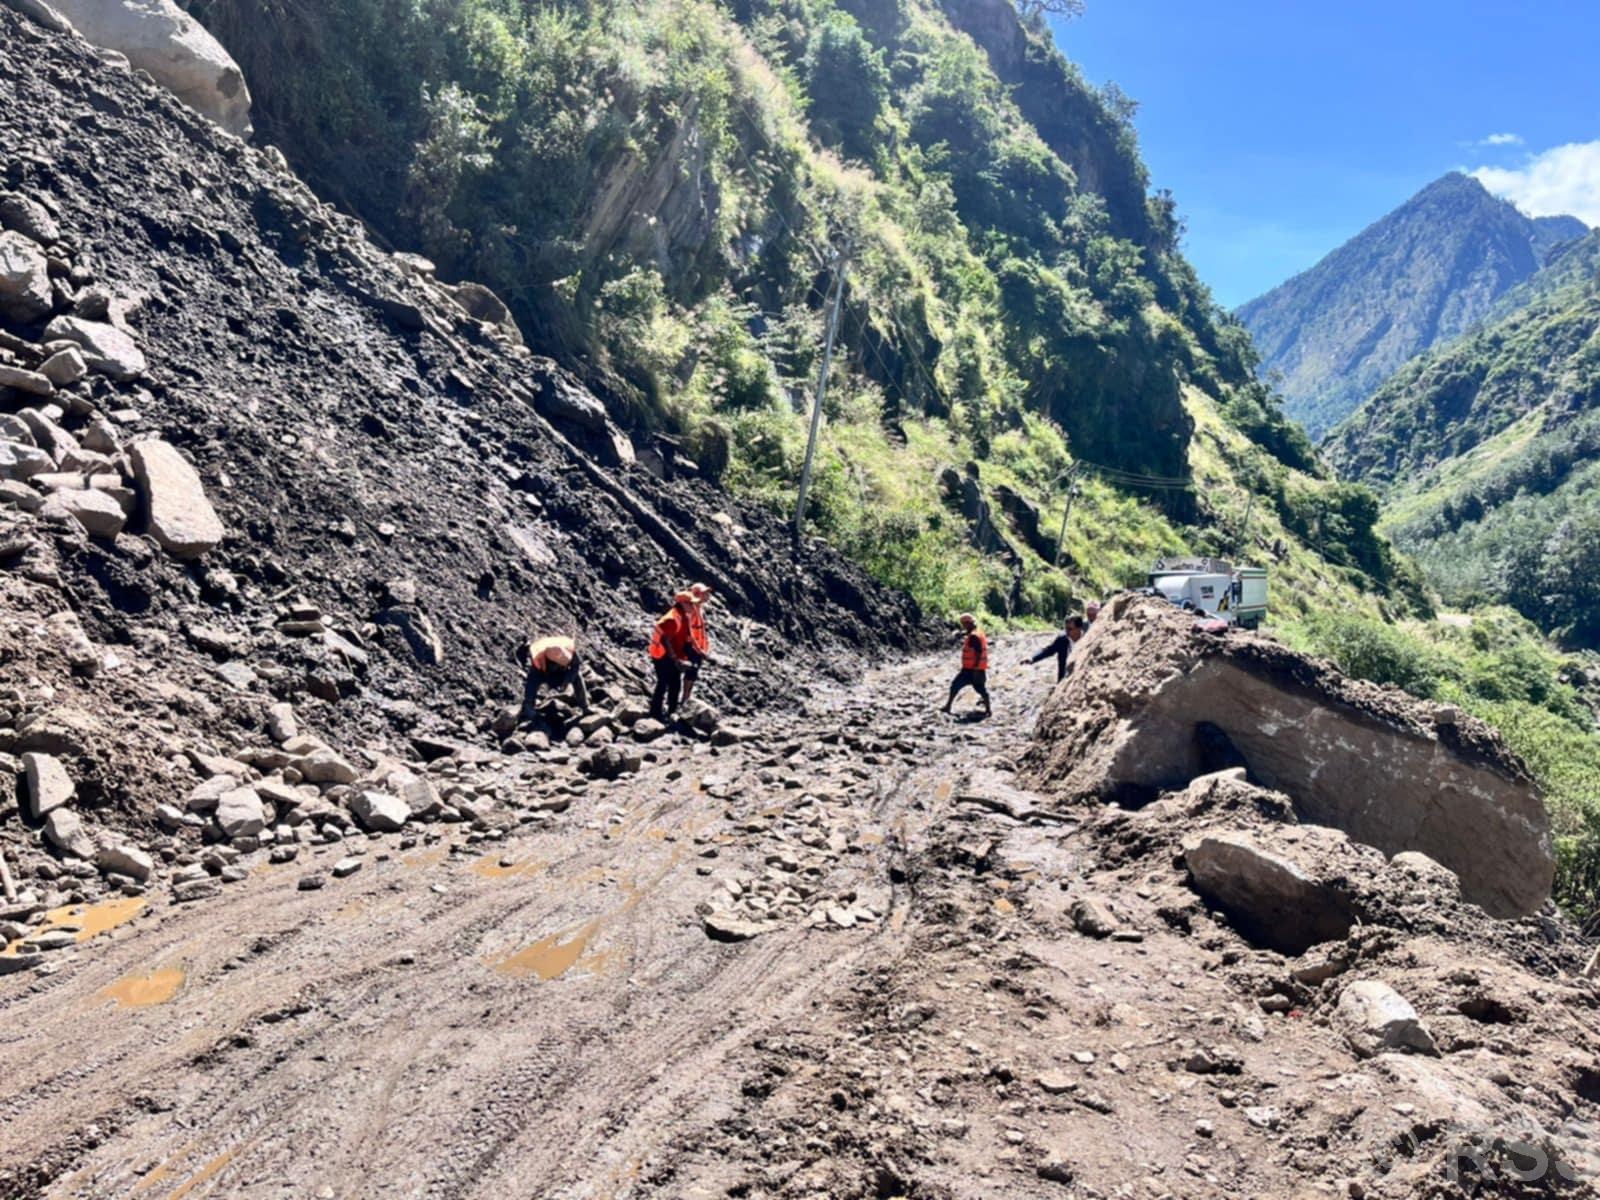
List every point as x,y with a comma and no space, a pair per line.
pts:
86,920
144,991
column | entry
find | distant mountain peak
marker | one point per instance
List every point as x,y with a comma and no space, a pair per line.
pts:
1421,275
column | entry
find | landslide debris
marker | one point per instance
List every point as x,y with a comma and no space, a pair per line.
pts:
276,512
1153,701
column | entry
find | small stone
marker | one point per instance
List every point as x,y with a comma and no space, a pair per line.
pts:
126,860
196,889
97,511
106,349
1056,1083
1263,1116
1054,1170
310,883
281,723
346,867
725,927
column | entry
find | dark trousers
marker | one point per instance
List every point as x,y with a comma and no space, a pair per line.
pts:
669,683
557,678
970,677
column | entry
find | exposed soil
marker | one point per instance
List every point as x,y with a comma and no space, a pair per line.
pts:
545,1014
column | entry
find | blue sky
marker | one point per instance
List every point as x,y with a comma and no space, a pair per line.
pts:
1285,127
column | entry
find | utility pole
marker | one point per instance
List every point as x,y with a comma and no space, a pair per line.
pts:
1072,490
822,388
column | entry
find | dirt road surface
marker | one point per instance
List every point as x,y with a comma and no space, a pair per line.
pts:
547,1015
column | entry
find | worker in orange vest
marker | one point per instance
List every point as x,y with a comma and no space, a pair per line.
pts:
552,662
974,664
699,643
669,653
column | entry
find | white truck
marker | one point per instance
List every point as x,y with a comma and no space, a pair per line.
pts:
1215,587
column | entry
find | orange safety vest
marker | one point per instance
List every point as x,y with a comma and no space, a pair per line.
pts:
697,630
670,636
975,652
538,652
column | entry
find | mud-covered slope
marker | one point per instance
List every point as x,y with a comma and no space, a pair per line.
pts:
376,457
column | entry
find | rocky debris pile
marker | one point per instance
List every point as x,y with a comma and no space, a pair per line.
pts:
158,37
1151,702
247,459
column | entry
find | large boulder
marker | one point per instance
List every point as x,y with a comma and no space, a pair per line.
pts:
240,813
180,516
1273,893
156,36
24,278
380,812
64,830
1151,701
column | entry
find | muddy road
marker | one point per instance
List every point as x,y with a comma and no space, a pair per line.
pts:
845,958
543,1014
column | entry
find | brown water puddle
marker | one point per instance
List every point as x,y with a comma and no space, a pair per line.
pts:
547,958
89,920
207,1173
426,858
142,991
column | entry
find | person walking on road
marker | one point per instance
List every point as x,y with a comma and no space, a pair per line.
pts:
552,662
669,652
1062,646
974,665
699,643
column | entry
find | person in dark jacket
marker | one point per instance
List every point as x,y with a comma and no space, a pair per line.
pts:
1062,646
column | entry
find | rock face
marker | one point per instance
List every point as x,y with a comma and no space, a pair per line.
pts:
156,36
1148,696
180,516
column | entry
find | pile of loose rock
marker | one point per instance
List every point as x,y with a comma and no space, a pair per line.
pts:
66,457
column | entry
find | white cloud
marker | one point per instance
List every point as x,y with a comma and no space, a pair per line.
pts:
1563,179
1502,139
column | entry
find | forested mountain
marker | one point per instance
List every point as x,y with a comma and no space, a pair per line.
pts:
664,194
1489,452
1422,275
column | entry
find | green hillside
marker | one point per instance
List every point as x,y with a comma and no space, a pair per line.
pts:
661,192
1486,452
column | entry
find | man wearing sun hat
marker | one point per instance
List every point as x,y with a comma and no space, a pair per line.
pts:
552,662
699,644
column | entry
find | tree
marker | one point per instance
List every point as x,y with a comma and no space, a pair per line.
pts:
1034,10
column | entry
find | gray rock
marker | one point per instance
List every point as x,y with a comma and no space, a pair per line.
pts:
11,964
240,813
159,37
48,786
196,889
281,724
380,812
18,495
421,797
22,380
1374,1017
322,765
126,860
726,927
64,830
98,512
29,218
106,349
346,867
24,278
21,462
181,517
64,368
1091,918
1272,899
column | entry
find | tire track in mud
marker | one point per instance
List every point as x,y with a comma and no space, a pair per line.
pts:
379,1037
